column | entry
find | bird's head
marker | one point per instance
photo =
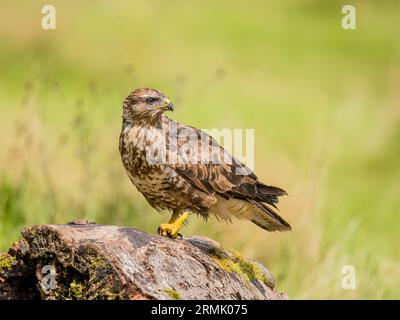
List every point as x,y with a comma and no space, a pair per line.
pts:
146,105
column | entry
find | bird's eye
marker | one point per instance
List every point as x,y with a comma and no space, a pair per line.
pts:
150,100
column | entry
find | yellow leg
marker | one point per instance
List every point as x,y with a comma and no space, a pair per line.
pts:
171,229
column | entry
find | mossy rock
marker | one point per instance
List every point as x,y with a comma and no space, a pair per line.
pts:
173,294
6,261
233,261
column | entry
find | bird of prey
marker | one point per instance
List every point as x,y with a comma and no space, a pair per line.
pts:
183,170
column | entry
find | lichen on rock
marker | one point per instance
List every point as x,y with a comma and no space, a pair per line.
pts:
173,294
6,261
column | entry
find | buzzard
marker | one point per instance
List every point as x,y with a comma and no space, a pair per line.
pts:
184,170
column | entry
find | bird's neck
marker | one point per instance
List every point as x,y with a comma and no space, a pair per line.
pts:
154,121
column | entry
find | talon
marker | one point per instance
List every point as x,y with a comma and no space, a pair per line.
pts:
171,235
171,229
179,235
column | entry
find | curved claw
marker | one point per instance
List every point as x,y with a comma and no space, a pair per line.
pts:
174,236
165,231
171,229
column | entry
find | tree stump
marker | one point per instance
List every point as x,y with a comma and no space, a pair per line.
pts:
83,260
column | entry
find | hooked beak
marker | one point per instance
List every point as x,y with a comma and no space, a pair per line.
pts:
169,107
166,106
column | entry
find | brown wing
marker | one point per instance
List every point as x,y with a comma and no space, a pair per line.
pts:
225,178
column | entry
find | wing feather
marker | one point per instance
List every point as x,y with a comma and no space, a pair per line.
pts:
223,178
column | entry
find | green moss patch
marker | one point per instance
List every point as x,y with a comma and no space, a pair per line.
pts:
6,261
173,294
76,290
234,262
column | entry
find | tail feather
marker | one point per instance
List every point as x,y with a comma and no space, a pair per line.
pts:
268,194
268,219
270,190
261,199
259,192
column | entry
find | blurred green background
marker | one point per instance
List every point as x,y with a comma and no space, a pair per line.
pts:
324,103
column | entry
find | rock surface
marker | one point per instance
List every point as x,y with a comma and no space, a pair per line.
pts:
83,260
